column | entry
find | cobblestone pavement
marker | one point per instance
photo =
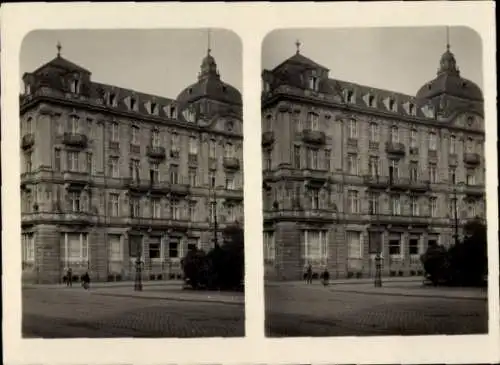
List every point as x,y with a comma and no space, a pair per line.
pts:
302,310
73,312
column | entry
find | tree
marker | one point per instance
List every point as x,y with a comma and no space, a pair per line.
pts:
196,268
435,263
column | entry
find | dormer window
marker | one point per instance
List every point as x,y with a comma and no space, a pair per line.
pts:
313,83
75,86
371,101
350,96
153,108
112,99
27,88
392,105
173,112
411,109
133,103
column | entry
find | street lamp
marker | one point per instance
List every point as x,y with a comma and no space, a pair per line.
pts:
378,255
138,272
455,207
213,204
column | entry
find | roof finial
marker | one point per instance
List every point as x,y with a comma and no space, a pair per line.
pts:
297,44
59,47
447,38
208,42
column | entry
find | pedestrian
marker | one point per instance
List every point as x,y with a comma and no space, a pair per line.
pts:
326,277
309,274
69,277
86,280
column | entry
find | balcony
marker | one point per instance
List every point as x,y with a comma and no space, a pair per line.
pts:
156,152
317,215
419,186
180,189
474,191
472,158
76,178
159,187
376,182
313,137
78,140
193,159
78,218
395,148
212,163
315,177
136,186
401,220
399,183
452,159
28,141
67,218
134,148
267,138
231,163
114,145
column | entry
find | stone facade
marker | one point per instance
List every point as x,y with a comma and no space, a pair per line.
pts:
374,171
109,174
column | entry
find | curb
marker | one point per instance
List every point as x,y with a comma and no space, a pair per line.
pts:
412,295
170,299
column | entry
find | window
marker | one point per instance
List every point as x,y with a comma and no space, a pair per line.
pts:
374,135
135,135
135,169
394,135
313,83
192,211
328,161
314,198
213,210
57,159
452,175
77,247
411,109
469,146
193,178
114,200
155,138
353,201
73,124
229,182
414,206
268,123
269,246
392,105
432,141
27,89
75,86
135,207
350,96
395,246
211,179
212,149
433,206
313,121
314,159
471,209
153,108
373,166
29,125
174,174
115,135
28,243
193,145
413,138
174,142
175,209
229,150
451,207
371,101
156,208
395,205
433,173
112,99
414,246
133,103
114,167
74,201
315,246
471,176
154,172
155,248
72,161
28,162
90,160
352,164
230,213
353,129
394,169
354,244
453,142
267,159
296,157
413,171
373,203
173,249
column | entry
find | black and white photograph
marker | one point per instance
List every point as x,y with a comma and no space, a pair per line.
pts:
132,183
374,182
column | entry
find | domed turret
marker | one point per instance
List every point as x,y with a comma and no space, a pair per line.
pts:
449,82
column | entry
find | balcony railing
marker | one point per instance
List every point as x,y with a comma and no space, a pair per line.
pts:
231,163
472,158
76,177
474,190
134,148
66,217
395,148
180,188
406,220
28,141
419,185
399,183
308,214
156,152
313,137
75,140
114,145
267,138
212,163
378,182
193,159
319,175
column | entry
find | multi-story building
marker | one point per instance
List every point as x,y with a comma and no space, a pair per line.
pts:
111,174
352,171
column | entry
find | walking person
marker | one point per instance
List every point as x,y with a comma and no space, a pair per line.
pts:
86,281
326,277
309,274
69,277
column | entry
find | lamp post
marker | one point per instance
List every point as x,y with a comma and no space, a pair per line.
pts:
214,213
138,270
455,208
378,255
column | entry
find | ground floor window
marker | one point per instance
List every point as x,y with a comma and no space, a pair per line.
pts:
174,249
115,247
269,247
193,244
395,250
414,246
76,247
315,246
28,247
135,246
355,245
155,248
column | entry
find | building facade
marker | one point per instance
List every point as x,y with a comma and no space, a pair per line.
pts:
351,171
111,174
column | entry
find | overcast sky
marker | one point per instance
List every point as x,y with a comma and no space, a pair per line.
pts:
396,59
159,62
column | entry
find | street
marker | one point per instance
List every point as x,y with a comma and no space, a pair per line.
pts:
298,309
62,312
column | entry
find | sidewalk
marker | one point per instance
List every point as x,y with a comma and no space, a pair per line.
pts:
408,279
112,284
